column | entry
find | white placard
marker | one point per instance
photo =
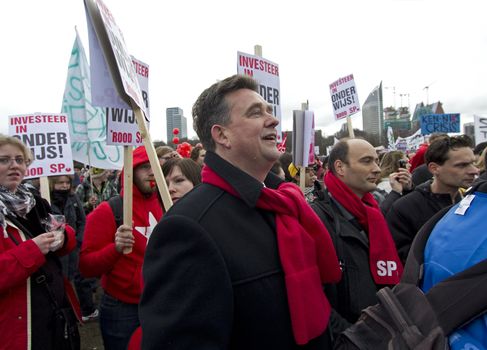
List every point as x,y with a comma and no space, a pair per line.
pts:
480,125
112,43
266,73
344,97
122,128
47,136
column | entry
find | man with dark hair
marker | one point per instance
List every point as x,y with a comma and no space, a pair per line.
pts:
362,240
237,264
451,161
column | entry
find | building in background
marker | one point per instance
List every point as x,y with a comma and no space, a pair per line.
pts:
399,120
176,119
373,115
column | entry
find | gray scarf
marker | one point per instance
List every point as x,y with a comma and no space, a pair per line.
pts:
17,204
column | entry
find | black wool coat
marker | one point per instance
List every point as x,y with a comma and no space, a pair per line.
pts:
212,274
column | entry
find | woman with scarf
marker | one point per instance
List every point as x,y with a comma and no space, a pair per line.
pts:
34,302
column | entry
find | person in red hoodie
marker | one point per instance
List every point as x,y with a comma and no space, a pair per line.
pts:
102,254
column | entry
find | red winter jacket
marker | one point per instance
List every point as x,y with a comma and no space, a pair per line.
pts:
17,263
121,274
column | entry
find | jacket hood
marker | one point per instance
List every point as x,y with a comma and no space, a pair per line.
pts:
139,156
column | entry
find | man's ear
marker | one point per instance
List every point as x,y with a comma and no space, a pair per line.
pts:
339,166
433,168
219,135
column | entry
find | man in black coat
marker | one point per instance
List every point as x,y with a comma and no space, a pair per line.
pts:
352,217
215,272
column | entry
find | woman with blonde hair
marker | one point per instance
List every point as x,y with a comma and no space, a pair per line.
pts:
35,305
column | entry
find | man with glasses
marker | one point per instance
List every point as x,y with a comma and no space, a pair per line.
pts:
451,161
105,253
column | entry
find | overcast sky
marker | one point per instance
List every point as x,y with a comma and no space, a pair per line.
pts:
408,44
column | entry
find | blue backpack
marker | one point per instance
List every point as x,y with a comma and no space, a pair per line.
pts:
406,317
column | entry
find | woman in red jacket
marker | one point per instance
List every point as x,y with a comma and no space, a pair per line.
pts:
32,290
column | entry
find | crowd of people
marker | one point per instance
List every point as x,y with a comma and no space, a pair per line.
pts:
245,259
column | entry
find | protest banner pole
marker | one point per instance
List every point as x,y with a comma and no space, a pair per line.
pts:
350,128
127,189
302,169
44,188
258,50
154,161
302,174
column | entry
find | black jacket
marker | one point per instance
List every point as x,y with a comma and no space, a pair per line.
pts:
409,213
212,273
357,288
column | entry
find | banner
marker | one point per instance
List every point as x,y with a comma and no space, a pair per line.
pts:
87,123
444,123
122,128
47,137
480,126
409,143
344,97
266,73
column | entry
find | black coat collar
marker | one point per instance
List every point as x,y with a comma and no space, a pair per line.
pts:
246,186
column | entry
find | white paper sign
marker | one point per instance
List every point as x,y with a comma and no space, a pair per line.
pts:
112,43
480,125
47,136
122,128
344,97
266,73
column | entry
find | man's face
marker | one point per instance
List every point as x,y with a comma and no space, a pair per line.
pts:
361,172
201,157
250,136
458,170
144,178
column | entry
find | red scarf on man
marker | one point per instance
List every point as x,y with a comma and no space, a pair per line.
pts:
385,265
306,253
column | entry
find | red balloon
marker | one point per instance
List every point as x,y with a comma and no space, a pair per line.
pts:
184,150
175,140
175,131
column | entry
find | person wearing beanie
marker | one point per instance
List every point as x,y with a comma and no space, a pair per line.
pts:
95,189
102,253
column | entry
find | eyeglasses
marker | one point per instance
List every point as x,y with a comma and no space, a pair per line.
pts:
8,161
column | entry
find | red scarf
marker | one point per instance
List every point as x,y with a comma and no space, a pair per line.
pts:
385,266
306,253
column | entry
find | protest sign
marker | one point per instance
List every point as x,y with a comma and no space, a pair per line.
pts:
409,143
444,123
110,39
47,136
344,97
266,73
303,138
87,123
480,126
122,128
112,44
